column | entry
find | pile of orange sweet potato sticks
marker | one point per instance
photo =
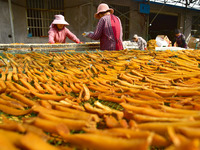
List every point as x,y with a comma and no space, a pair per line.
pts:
61,97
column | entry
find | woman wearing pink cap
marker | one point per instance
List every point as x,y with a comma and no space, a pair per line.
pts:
108,30
58,32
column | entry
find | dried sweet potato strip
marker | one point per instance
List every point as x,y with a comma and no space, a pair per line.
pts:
9,76
131,85
49,96
144,118
90,108
161,127
10,85
67,89
14,69
2,84
45,104
100,84
139,101
102,81
5,97
87,92
5,143
97,88
45,125
173,136
111,122
166,93
157,139
11,104
11,125
34,142
31,76
155,112
3,76
21,88
13,137
125,77
156,82
74,89
47,73
137,73
133,77
23,99
81,115
71,123
108,109
13,111
94,69
110,98
38,87
37,71
187,93
132,90
89,72
29,86
78,109
179,111
15,77
94,141
57,88
40,78
48,88
66,104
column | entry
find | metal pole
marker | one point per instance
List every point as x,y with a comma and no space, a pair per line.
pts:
11,21
92,15
185,16
147,24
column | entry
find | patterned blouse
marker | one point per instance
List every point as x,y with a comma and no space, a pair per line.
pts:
180,41
105,34
142,44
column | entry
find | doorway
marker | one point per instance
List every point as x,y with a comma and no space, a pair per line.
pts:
162,25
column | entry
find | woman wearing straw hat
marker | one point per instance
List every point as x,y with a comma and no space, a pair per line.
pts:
58,32
108,30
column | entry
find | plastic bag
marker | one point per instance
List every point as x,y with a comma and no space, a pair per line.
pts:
161,42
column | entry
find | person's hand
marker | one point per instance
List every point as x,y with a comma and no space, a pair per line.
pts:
85,34
79,42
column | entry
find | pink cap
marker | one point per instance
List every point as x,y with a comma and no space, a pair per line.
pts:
59,19
103,8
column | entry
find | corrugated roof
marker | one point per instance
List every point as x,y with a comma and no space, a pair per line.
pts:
190,4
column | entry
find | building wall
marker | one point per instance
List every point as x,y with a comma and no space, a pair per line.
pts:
19,21
80,15
5,29
79,18
138,24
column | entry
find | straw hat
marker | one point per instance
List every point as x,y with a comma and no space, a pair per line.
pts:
60,19
103,8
